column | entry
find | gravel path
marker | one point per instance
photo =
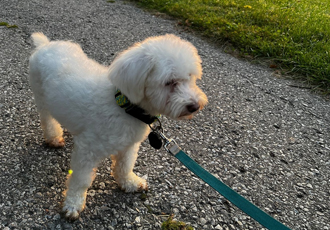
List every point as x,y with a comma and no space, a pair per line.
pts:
264,138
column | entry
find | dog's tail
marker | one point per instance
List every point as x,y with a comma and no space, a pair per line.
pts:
39,39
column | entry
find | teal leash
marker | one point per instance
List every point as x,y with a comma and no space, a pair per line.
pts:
239,201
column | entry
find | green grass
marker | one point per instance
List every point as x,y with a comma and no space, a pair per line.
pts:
7,25
293,34
171,224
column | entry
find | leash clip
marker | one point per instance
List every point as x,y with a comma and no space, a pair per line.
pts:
157,132
170,145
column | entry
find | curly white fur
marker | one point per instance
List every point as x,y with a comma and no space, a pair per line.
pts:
158,74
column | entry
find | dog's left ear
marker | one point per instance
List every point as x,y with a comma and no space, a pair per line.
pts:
129,71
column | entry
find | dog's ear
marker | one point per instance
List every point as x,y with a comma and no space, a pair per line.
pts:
129,71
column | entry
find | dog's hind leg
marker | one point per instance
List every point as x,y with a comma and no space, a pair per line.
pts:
53,132
122,170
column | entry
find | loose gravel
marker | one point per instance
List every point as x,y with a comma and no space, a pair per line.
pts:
266,139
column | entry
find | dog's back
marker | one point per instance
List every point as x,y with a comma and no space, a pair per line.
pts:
62,63
64,58
61,77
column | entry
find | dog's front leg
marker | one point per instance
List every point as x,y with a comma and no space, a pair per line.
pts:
122,170
83,173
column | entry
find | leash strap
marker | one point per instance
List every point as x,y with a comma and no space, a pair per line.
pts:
235,198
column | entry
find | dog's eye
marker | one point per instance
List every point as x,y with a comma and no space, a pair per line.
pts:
171,83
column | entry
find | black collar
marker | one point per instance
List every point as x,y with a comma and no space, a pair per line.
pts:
134,110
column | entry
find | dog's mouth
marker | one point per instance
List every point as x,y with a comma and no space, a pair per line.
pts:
187,115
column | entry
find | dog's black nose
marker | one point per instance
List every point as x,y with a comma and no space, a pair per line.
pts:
193,107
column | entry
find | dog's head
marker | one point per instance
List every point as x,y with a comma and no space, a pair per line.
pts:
159,74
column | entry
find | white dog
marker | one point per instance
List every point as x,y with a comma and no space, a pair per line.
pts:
158,76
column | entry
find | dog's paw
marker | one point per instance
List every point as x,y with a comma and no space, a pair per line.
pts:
57,142
133,183
70,212
72,206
